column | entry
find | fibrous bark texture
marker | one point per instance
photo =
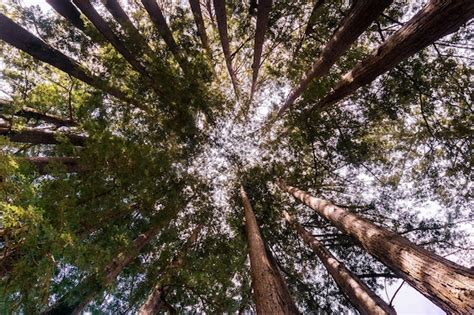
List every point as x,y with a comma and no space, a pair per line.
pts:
437,19
448,285
364,299
269,289
360,16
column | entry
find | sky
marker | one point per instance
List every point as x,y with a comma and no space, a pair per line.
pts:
407,302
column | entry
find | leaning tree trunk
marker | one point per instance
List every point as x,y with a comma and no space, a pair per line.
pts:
448,285
269,289
309,27
159,20
66,9
263,13
437,19
17,36
360,16
221,17
39,136
30,113
197,13
363,299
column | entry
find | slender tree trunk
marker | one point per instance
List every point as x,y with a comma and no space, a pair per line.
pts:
38,136
197,13
448,285
30,113
360,16
41,163
88,10
309,27
17,36
66,9
159,20
437,19
221,17
263,13
269,289
154,301
364,299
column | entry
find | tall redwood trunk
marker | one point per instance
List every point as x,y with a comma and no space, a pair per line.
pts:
360,16
17,36
448,285
197,13
69,11
437,19
38,136
263,13
270,293
221,17
30,113
159,20
364,299
309,27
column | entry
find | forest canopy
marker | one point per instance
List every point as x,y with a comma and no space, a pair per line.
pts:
212,156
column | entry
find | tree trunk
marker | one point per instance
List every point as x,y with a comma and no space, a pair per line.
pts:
41,163
66,9
197,13
221,17
263,12
159,20
437,19
360,16
269,289
17,36
89,11
38,136
309,27
30,113
448,285
363,299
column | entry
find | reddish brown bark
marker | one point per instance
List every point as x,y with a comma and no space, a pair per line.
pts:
221,17
270,293
20,38
31,113
263,12
360,16
69,11
38,136
364,299
437,19
197,13
448,285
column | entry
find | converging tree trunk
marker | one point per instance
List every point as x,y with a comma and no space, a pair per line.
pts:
360,16
66,9
39,136
263,12
448,285
364,299
17,36
437,19
270,292
309,27
197,13
221,16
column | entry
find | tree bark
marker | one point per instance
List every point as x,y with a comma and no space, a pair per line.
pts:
197,13
38,136
360,16
221,17
66,9
437,19
30,113
263,12
363,299
448,285
20,38
309,27
270,292
159,20
41,163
